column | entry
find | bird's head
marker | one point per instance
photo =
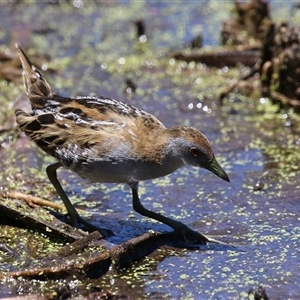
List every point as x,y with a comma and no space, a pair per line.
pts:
195,149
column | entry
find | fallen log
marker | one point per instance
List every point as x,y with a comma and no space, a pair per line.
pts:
220,57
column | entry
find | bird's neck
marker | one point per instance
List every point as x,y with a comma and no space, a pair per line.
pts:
165,149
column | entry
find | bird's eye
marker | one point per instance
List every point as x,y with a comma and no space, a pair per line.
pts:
194,152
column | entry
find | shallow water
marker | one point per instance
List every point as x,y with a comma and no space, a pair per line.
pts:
93,48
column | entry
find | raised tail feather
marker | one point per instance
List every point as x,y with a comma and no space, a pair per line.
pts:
35,84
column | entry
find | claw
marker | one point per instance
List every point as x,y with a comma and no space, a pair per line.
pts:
90,227
192,237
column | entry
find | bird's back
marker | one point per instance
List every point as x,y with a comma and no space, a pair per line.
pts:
81,130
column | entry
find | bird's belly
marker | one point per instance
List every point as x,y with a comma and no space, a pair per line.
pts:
120,172
104,172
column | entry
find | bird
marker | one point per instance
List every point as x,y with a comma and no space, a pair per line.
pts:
108,141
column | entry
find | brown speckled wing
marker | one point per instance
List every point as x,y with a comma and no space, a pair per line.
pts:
87,128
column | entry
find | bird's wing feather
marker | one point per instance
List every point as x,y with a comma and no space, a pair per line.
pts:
87,128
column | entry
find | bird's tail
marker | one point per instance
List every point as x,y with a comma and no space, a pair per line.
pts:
37,88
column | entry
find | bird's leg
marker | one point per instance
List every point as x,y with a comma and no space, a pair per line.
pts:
190,236
73,214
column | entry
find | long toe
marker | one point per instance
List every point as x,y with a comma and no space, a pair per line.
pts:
85,225
191,237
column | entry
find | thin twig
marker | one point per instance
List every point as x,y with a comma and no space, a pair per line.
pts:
286,100
32,200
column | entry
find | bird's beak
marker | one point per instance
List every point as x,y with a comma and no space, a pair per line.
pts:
215,168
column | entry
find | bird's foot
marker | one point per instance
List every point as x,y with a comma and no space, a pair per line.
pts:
191,237
83,224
